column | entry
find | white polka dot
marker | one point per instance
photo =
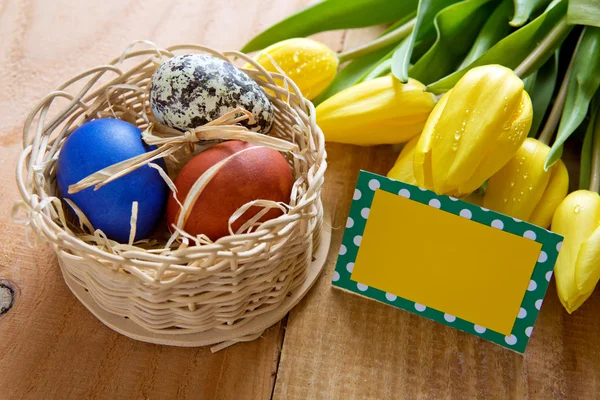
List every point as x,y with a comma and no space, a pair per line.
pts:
466,213
517,220
449,318
357,240
510,340
420,307
343,250
357,194
390,297
374,184
365,213
522,313
530,235
538,304
349,222
528,331
362,287
404,193
479,329
336,276
422,189
350,267
497,224
435,203
543,257
548,275
558,246
484,209
532,285
453,198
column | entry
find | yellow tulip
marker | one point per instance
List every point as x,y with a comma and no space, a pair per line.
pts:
474,198
524,189
473,131
403,168
577,268
378,111
310,64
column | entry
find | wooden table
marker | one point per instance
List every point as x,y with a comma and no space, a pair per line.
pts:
332,346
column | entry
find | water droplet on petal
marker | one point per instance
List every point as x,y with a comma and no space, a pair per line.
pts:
577,209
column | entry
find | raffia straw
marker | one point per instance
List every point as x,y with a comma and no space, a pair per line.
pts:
220,128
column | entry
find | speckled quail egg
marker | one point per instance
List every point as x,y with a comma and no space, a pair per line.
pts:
191,90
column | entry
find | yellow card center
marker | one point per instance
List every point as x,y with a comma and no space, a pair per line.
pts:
444,261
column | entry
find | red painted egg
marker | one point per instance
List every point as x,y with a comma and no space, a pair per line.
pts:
249,173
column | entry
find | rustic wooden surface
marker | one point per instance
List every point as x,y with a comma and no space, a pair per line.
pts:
332,346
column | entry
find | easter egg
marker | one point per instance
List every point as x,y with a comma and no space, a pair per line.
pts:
191,90
96,145
247,173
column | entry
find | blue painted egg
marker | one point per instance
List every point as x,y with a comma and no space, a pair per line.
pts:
96,145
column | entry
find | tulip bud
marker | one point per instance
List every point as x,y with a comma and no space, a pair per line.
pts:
523,189
310,64
473,131
577,268
403,168
379,111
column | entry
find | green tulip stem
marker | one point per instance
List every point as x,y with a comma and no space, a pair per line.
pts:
528,65
559,103
389,38
595,174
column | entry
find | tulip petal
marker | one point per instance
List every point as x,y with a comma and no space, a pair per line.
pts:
474,198
403,169
576,218
422,158
514,132
310,64
587,269
379,111
517,188
556,191
473,120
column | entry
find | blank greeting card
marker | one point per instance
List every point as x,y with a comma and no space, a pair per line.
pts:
450,261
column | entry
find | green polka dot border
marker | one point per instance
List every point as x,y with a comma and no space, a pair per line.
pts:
533,298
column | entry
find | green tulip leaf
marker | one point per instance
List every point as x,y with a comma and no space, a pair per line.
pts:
494,30
424,26
330,15
584,12
542,91
582,85
353,73
587,150
529,82
524,9
382,68
454,25
513,49
357,69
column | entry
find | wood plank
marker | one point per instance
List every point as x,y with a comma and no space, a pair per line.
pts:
340,346
50,345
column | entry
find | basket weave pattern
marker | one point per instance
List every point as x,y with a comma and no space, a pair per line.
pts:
174,288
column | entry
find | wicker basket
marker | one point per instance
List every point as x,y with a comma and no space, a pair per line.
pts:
211,292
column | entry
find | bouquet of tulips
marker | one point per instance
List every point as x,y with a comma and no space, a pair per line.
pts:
477,90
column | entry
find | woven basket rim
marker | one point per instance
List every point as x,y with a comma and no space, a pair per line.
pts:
230,246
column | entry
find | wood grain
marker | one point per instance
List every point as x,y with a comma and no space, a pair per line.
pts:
341,346
335,346
51,347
